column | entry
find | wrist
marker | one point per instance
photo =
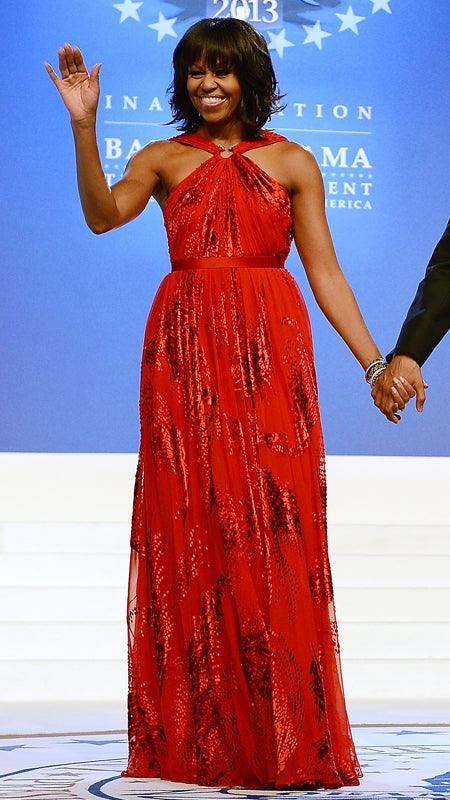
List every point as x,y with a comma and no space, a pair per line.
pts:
397,357
86,122
374,370
367,360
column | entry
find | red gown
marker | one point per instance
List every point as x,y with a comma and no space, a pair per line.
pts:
233,651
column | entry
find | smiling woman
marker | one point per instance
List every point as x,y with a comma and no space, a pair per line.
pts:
234,669
235,53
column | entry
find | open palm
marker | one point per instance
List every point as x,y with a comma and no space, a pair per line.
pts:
79,90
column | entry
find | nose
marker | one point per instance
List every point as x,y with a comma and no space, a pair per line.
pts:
209,81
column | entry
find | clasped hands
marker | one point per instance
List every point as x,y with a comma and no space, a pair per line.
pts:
400,381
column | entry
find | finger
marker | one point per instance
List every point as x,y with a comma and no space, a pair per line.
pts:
52,74
420,399
78,59
408,387
401,388
95,72
395,418
380,403
399,400
63,66
69,58
384,401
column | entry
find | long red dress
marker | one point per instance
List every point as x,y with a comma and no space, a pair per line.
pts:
233,652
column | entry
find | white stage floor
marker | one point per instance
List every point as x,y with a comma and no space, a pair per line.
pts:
401,762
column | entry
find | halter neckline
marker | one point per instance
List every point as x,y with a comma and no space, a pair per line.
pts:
198,140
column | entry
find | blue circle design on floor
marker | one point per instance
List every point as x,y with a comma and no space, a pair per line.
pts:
398,764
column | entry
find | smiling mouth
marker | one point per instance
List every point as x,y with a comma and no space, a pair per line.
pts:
211,102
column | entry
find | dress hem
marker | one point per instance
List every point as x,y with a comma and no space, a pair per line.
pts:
311,784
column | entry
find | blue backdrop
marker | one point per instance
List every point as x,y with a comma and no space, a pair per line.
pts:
366,88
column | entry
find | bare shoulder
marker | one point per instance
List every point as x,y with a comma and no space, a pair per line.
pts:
293,166
302,166
150,158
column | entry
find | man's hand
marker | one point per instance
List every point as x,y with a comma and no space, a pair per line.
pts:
395,387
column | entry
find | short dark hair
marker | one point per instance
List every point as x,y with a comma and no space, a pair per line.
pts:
234,45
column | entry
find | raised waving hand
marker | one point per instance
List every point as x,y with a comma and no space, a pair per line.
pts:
80,91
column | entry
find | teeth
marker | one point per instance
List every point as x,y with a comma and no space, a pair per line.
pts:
212,101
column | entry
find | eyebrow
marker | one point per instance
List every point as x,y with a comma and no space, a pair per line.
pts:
201,66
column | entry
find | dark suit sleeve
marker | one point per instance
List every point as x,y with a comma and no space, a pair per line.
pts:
428,318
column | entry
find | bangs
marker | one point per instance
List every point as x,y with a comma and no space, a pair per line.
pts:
215,46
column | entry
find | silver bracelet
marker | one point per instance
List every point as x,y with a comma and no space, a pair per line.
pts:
376,375
379,364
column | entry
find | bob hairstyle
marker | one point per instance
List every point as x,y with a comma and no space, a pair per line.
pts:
233,45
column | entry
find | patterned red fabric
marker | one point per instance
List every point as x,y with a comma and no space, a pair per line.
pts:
234,666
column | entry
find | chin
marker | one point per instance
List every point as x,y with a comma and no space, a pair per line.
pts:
224,116
211,117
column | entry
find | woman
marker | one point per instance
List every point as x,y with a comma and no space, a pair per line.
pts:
234,668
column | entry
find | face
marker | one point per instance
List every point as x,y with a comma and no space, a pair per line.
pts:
214,94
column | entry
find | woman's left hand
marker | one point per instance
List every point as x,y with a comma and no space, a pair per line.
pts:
392,390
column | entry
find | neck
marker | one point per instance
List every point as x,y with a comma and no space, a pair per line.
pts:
227,133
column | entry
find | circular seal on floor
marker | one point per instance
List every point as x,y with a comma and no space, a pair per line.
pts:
398,764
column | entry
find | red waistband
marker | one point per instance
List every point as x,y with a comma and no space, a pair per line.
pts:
228,262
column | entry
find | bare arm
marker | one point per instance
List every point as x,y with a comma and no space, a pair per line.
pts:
314,244
104,208
97,201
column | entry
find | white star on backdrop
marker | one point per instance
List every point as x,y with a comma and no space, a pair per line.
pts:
278,42
315,34
349,21
128,9
164,26
381,5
